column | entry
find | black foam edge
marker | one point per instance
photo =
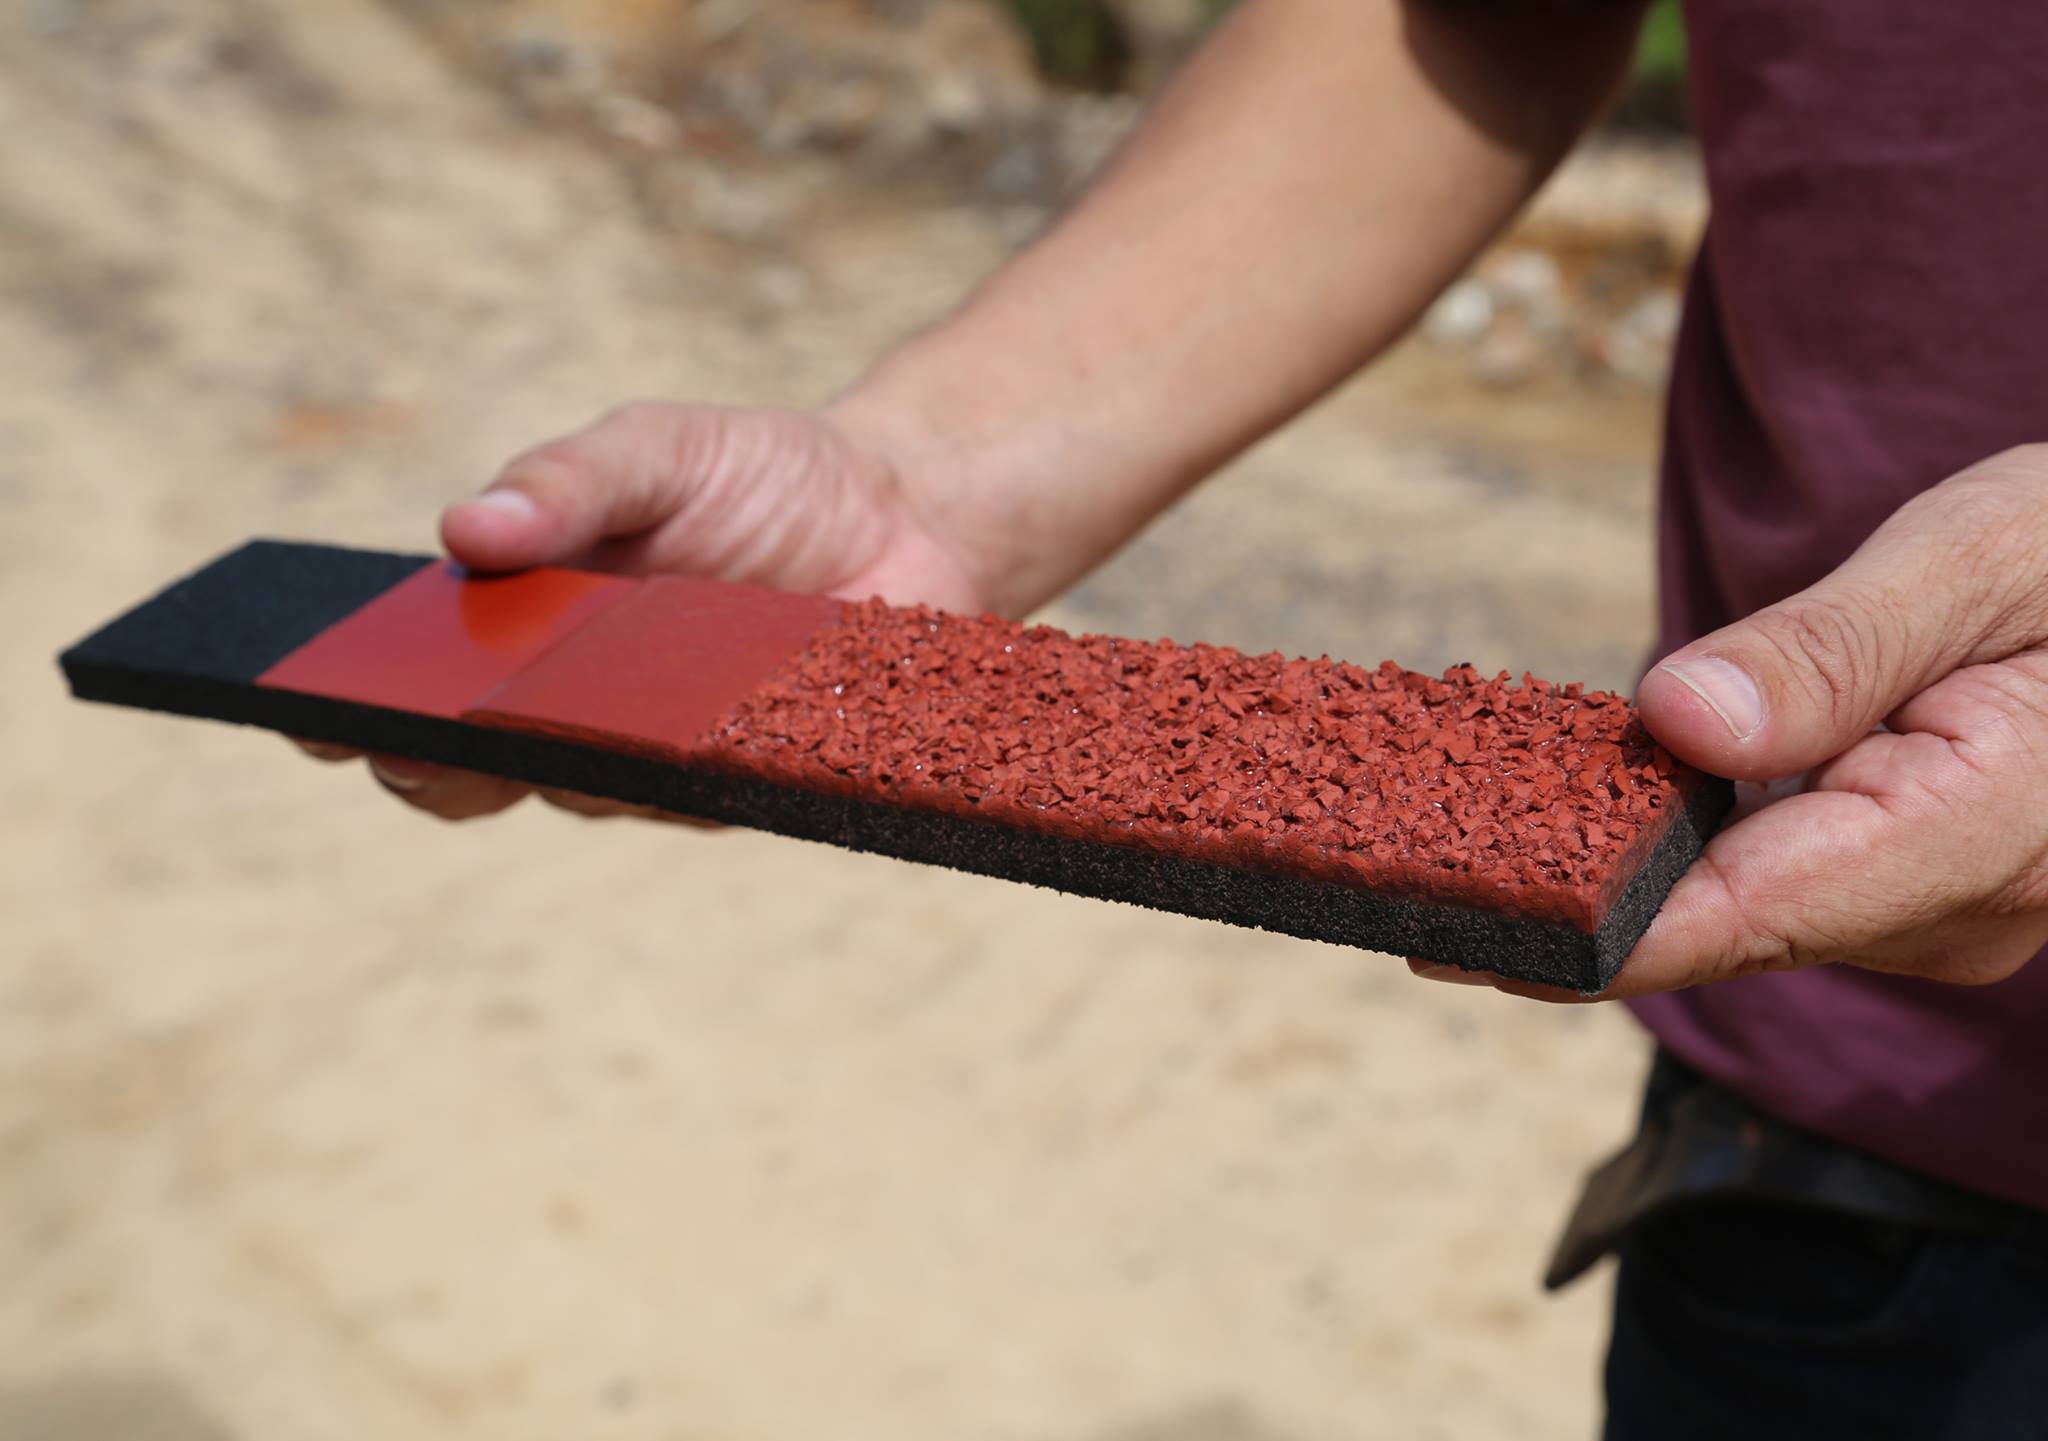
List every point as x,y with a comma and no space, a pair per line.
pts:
232,619
1546,952
1640,900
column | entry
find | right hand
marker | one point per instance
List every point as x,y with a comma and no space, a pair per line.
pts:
799,500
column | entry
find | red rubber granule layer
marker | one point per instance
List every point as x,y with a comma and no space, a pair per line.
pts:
1531,798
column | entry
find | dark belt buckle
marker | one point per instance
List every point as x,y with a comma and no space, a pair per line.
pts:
1699,1143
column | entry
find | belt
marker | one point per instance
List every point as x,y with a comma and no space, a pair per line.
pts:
1700,1143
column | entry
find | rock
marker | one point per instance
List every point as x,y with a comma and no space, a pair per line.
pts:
1638,345
1461,314
954,104
1527,278
1530,283
632,119
1510,356
734,205
781,286
1620,191
885,82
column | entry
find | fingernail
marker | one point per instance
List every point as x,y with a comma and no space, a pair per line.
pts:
395,779
1726,687
1453,975
515,503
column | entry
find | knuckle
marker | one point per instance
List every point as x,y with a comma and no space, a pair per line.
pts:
559,459
551,465
2025,465
415,801
1753,952
1836,651
473,803
2026,895
1769,949
593,807
695,823
1998,968
1985,509
1759,937
434,800
1993,520
1942,961
2003,709
1965,965
326,750
638,414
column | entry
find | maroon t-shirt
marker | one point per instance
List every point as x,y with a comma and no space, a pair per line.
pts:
1869,314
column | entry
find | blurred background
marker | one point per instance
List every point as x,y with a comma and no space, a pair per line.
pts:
318,1120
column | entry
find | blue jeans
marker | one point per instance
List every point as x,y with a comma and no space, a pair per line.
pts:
1741,1316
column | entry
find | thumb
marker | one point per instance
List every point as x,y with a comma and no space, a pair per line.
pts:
1952,578
553,504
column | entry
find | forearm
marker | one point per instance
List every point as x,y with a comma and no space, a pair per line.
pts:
1316,176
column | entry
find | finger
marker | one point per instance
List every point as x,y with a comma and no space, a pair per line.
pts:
1907,853
453,795
1449,975
1963,952
325,750
1453,975
593,807
1811,878
599,808
616,478
1549,995
699,490
1993,709
1950,579
695,823
1748,799
1882,763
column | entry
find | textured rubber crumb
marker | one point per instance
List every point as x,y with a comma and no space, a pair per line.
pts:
1533,798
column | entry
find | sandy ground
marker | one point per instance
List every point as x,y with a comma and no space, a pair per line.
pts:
320,1121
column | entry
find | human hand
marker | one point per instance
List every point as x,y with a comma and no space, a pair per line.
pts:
1898,710
804,501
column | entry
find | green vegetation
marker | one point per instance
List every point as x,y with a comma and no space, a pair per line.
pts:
1656,94
1080,43
1077,42
1660,58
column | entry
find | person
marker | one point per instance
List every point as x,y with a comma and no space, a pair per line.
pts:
1834,1221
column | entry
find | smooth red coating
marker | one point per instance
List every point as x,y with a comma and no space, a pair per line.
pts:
655,672
1536,799
440,638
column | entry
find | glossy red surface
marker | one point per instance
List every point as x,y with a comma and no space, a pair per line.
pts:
655,672
436,641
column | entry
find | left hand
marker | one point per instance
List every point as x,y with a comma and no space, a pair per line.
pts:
809,501
1920,847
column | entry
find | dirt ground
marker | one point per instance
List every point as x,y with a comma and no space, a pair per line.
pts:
318,1120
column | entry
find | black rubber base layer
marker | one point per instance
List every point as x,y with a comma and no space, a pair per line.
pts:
197,648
